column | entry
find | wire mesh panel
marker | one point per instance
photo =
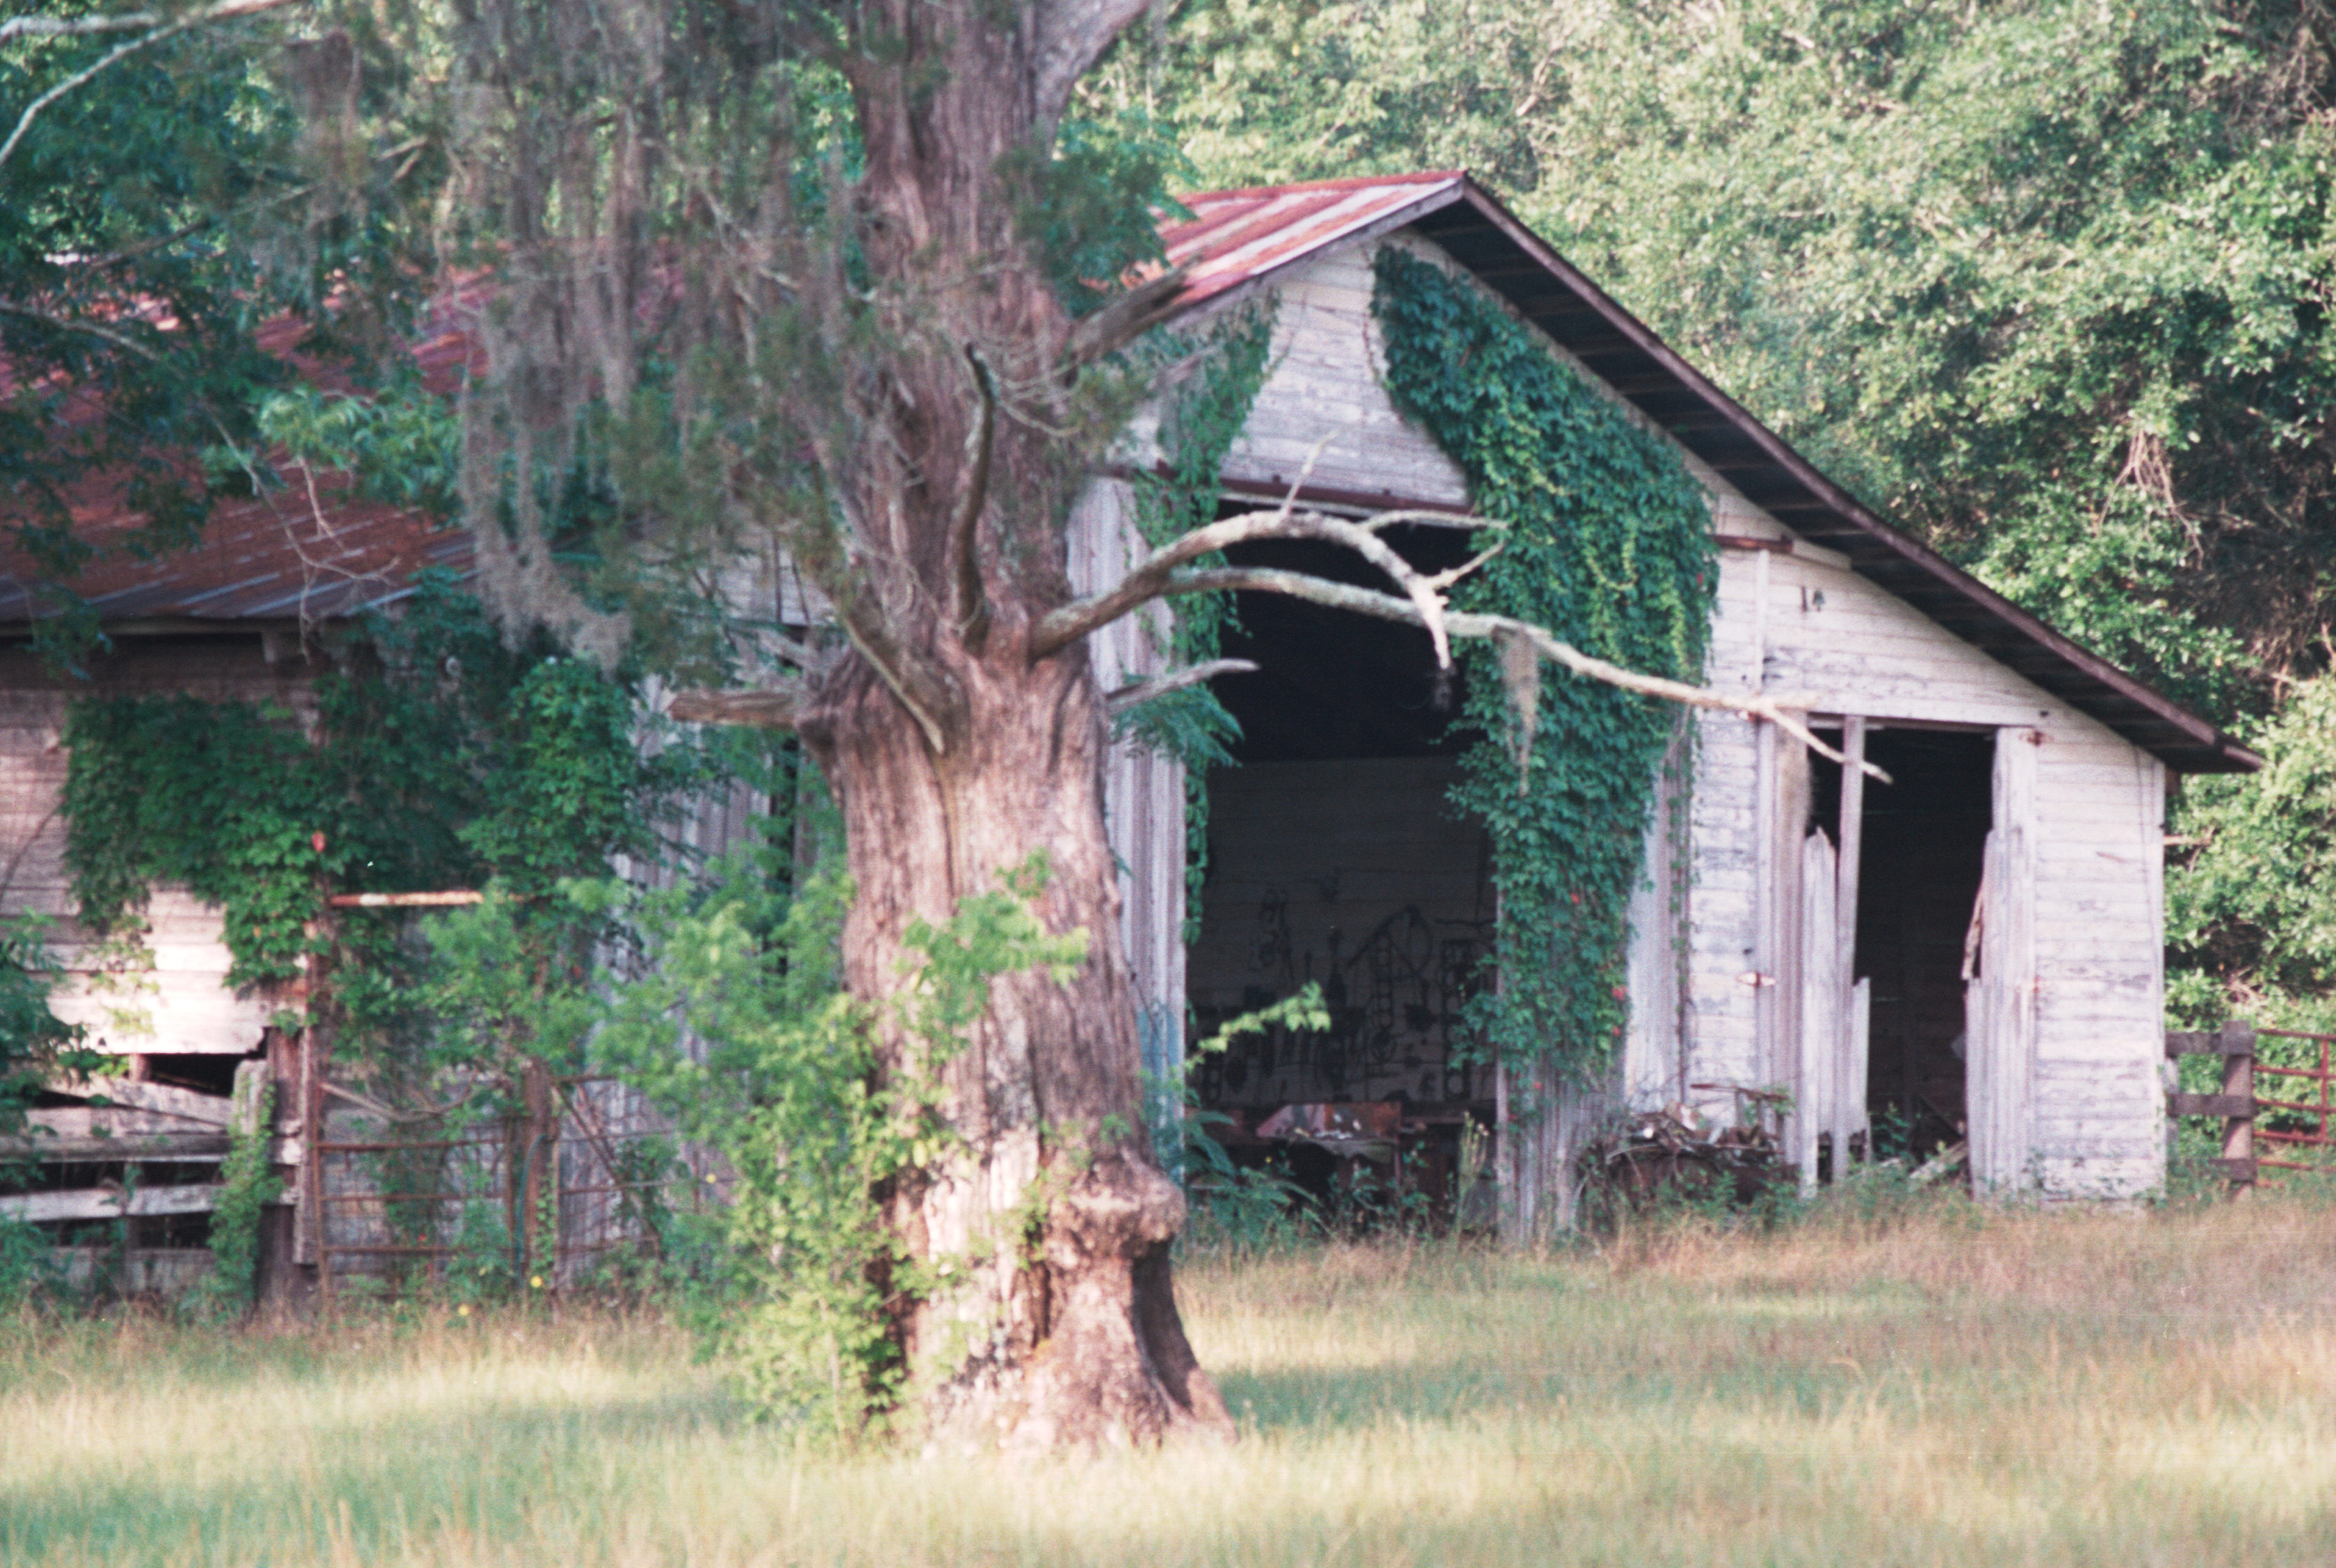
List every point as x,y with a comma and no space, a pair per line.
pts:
624,1180
397,1210
582,1182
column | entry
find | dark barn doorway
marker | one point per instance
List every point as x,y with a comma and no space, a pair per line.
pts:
1925,843
1335,857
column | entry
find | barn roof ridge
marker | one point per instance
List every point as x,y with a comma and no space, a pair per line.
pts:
1240,241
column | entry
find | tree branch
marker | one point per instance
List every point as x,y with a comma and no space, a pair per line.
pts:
75,26
1072,35
777,708
227,11
1123,320
1129,696
1388,608
1066,625
61,324
971,610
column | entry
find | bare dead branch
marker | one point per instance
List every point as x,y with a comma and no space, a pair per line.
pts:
972,608
62,323
1127,697
1388,608
1123,320
76,26
227,11
1066,625
774,709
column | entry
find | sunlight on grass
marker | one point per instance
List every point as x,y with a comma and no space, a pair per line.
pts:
1946,1386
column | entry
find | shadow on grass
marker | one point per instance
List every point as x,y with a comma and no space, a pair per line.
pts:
363,1486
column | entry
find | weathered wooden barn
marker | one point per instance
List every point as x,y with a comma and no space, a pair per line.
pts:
1800,945
1801,941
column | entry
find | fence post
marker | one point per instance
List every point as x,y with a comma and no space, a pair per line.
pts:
542,1149
2237,1039
2235,1042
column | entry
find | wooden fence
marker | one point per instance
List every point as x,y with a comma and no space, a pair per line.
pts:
2288,1123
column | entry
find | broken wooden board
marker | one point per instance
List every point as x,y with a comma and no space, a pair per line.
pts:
105,1148
112,1121
107,1203
211,1110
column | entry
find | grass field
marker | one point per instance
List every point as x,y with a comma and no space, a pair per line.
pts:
1949,1388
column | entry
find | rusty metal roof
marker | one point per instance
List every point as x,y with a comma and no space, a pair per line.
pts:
278,557
294,554
1237,237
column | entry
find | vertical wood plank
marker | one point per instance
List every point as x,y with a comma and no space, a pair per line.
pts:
1786,833
1764,955
2000,1031
1859,1059
1851,1094
1815,1087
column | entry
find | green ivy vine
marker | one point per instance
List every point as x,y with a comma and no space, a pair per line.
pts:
1198,424
1608,545
436,757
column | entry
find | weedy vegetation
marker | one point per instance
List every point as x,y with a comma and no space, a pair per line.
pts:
1886,1377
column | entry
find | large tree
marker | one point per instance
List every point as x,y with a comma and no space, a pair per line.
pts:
828,278
830,284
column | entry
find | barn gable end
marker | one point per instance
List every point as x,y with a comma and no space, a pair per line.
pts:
2059,1085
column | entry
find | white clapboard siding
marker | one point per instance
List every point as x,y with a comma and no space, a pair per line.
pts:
1143,791
181,1005
1324,382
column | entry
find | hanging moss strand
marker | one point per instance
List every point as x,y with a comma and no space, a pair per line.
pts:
1608,546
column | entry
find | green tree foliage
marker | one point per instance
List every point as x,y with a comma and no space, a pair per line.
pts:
739,1027
162,198
2252,912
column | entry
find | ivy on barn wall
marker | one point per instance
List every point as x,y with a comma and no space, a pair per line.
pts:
438,759
1608,545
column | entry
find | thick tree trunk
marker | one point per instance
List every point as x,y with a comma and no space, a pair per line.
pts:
1057,1324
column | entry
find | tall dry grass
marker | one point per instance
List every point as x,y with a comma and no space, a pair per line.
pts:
1945,1385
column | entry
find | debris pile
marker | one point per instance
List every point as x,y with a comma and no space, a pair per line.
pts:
1680,1147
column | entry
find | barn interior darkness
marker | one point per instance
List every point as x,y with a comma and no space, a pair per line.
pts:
1925,842
1334,855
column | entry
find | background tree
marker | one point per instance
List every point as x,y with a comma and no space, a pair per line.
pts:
162,197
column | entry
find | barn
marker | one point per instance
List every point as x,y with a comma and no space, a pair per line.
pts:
1970,953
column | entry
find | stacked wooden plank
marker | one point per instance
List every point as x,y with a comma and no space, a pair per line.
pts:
128,1123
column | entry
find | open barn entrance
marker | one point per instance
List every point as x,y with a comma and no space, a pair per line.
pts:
1334,857
1925,843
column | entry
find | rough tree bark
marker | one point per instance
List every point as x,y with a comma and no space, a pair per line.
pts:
955,755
